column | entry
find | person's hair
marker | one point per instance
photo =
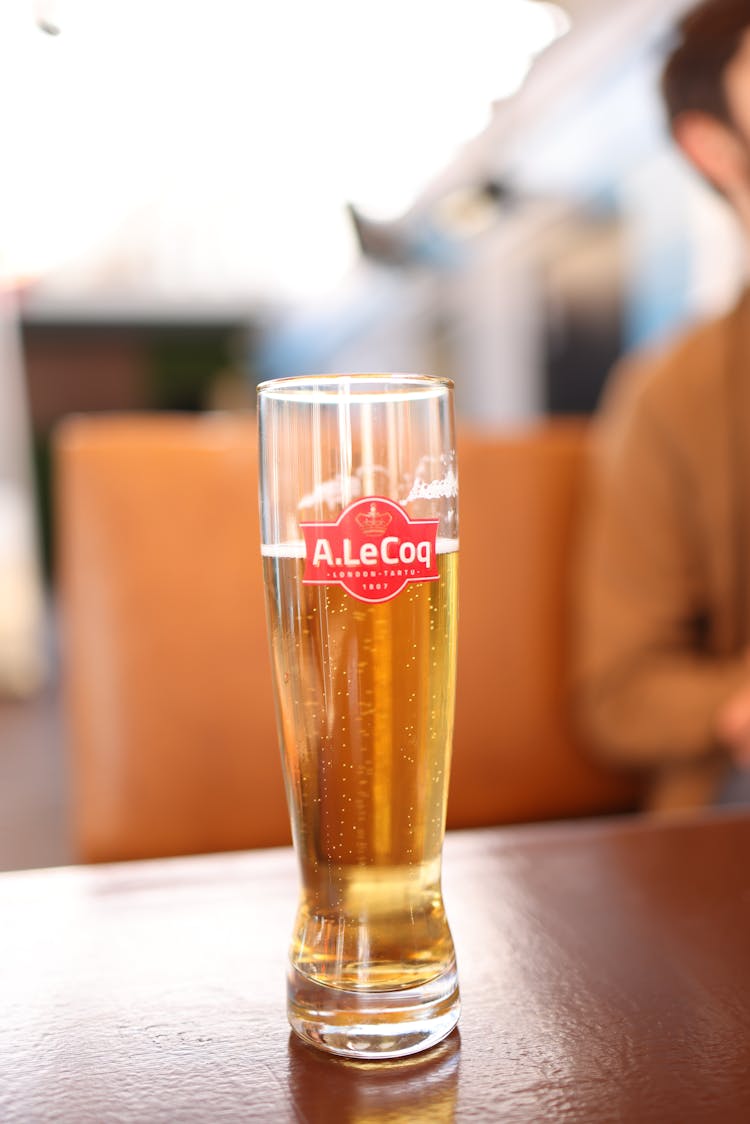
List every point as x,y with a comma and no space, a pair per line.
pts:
708,38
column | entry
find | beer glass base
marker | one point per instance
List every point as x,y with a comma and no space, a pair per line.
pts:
373,1024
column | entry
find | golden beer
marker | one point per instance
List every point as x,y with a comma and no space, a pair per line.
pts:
365,697
359,524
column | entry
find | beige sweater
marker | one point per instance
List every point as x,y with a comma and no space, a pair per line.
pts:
663,582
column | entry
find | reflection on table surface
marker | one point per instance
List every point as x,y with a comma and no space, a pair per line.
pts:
423,1087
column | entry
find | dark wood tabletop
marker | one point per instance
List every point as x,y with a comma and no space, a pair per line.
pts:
605,973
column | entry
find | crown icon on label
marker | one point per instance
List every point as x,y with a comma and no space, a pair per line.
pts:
372,521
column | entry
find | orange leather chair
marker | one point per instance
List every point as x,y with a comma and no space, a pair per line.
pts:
166,676
166,673
516,756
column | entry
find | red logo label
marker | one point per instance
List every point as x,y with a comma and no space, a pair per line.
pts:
373,550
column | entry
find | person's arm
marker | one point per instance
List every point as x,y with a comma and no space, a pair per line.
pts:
646,693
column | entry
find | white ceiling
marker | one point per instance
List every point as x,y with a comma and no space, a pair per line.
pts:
171,153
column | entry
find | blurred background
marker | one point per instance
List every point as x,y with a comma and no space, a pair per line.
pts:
195,197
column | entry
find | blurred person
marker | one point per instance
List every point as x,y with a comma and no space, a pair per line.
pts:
663,617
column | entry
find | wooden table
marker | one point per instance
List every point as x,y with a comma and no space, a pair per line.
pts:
605,973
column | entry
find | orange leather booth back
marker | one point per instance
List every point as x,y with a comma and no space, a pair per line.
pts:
167,685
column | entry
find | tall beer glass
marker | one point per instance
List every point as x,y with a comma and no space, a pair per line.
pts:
359,524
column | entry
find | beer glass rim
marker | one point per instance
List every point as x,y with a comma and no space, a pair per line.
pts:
361,387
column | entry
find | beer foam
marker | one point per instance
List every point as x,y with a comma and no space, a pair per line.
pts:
296,549
446,488
333,493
